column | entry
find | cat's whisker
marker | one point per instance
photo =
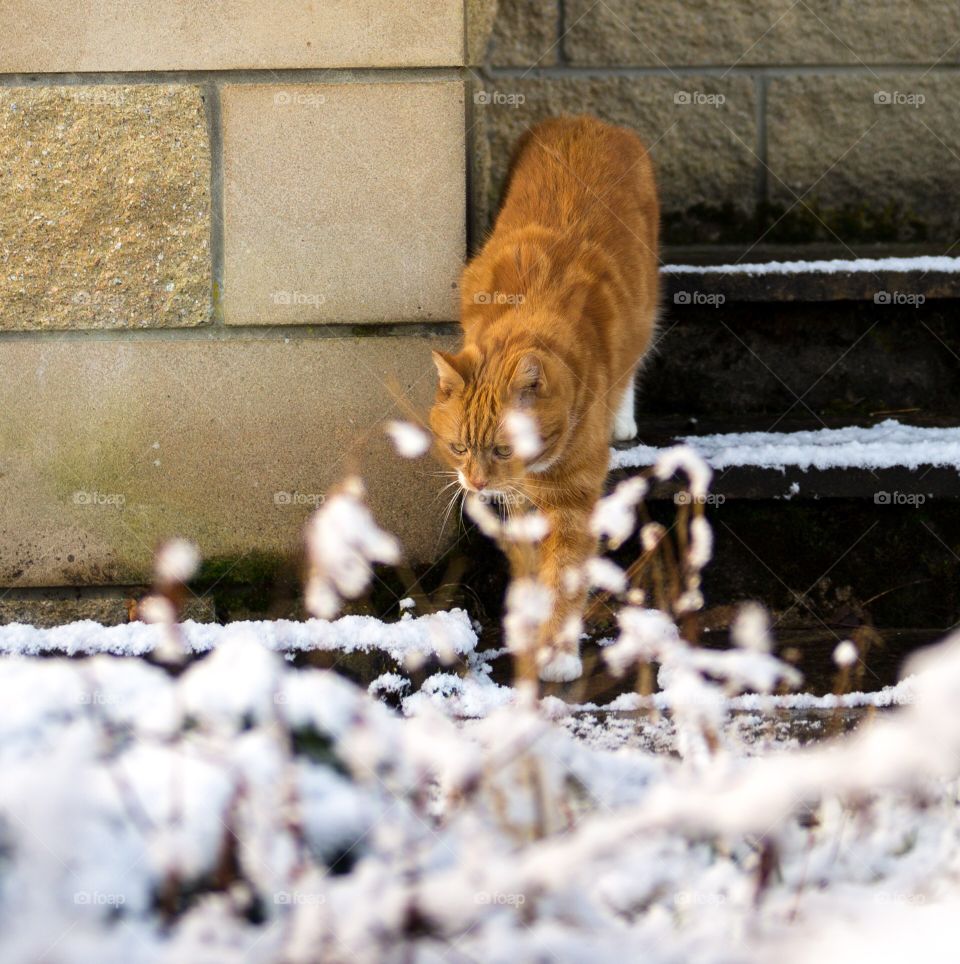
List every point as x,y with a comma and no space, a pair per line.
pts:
450,505
444,489
517,487
521,495
563,488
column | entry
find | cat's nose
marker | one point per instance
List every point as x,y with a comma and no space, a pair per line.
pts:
477,480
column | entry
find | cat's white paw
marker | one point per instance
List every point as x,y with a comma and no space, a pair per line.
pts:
624,428
559,667
625,421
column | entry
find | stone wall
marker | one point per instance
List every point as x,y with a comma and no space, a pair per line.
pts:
772,120
230,234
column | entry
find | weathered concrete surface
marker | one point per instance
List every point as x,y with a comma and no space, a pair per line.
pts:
110,607
108,446
104,207
480,19
713,32
701,131
343,202
885,145
845,359
525,34
45,35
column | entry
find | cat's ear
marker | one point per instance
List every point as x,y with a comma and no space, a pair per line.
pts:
528,380
450,378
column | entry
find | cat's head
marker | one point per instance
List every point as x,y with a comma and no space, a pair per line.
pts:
475,394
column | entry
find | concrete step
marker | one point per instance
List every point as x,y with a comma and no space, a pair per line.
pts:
903,482
810,650
804,358
871,544
809,273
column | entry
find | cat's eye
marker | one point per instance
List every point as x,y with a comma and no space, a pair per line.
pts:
458,449
503,451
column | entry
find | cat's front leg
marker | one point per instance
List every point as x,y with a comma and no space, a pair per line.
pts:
563,554
625,419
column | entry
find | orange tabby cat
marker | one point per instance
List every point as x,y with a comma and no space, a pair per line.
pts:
557,311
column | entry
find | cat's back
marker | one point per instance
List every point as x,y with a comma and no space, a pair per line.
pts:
572,166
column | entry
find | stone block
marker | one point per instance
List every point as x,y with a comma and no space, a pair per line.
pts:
109,446
104,207
343,202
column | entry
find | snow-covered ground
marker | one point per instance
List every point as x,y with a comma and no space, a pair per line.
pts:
220,804
246,810
881,446
940,263
409,638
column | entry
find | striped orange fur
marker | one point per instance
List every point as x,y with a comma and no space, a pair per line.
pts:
557,309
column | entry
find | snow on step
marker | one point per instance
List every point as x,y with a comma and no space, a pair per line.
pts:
409,638
899,265
903,693
886,445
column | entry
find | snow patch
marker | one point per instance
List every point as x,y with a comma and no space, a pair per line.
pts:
900,265
886,445
415,637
